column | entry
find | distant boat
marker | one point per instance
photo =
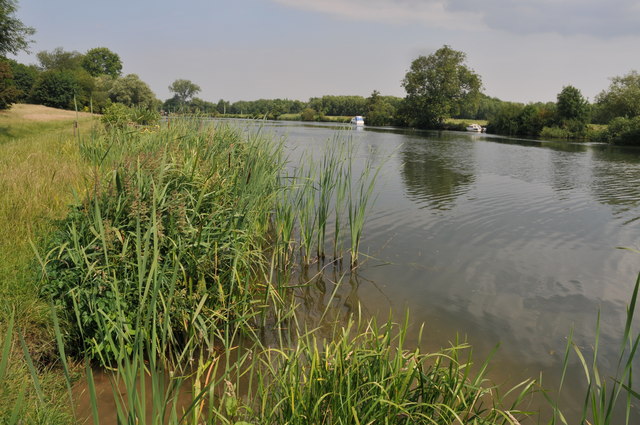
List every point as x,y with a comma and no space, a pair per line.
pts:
475,127
357,120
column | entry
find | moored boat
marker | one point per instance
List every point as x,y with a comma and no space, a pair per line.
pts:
357,120
475,127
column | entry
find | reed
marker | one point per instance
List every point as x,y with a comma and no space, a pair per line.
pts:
359,202
193,203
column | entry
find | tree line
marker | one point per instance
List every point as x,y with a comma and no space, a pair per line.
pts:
438,87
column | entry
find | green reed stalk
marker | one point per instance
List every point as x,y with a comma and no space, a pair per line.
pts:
307,216
358,205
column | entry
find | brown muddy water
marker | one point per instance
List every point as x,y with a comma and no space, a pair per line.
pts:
497,240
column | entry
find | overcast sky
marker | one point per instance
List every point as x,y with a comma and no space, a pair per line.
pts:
524,50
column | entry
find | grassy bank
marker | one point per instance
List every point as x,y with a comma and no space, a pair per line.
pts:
40,168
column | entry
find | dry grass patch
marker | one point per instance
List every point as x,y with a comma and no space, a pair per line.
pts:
39,113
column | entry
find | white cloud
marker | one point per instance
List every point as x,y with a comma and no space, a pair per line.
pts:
601,18
434,13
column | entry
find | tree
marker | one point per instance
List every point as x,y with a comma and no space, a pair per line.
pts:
8,91
184,89
132,91
55,89
379,110
102,61
24,77
622,99
438,86
14,35
59,59
572,108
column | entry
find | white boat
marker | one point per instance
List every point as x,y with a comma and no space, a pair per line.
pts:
357,120
475,127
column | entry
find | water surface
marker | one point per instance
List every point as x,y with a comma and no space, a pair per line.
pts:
499,240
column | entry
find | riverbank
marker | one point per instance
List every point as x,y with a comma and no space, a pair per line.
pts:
40,169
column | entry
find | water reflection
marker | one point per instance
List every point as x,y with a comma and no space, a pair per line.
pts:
616,178
435,173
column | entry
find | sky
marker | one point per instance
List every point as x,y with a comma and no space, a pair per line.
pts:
524,50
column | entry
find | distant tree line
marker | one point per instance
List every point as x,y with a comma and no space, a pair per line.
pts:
438,87
69,79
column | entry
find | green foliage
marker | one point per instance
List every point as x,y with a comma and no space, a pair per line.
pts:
24,77
102,61
515,119
438,86
270,108
8,91
184,90
309,114
338,105
380,111
60,60
144,116
14,35
55,89
184,207
621,99
555,132
117,115
572,109
622,131
132,91
194,106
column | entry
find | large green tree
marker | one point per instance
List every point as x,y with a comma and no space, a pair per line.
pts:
60,60
572,108
14,35
132,91
438,86
184,90
621,99
55,88
102,61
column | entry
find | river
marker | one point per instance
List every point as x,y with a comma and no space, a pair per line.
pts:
501,241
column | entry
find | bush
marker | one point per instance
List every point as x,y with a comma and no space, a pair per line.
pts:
117,115
623,131
308,114
144,116
555,133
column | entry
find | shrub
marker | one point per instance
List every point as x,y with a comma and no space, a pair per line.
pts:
624,131
308,114
117,115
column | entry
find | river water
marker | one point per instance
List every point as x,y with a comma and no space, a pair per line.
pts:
501,241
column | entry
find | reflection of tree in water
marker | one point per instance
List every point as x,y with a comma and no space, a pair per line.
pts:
616,177
436,173
569,169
